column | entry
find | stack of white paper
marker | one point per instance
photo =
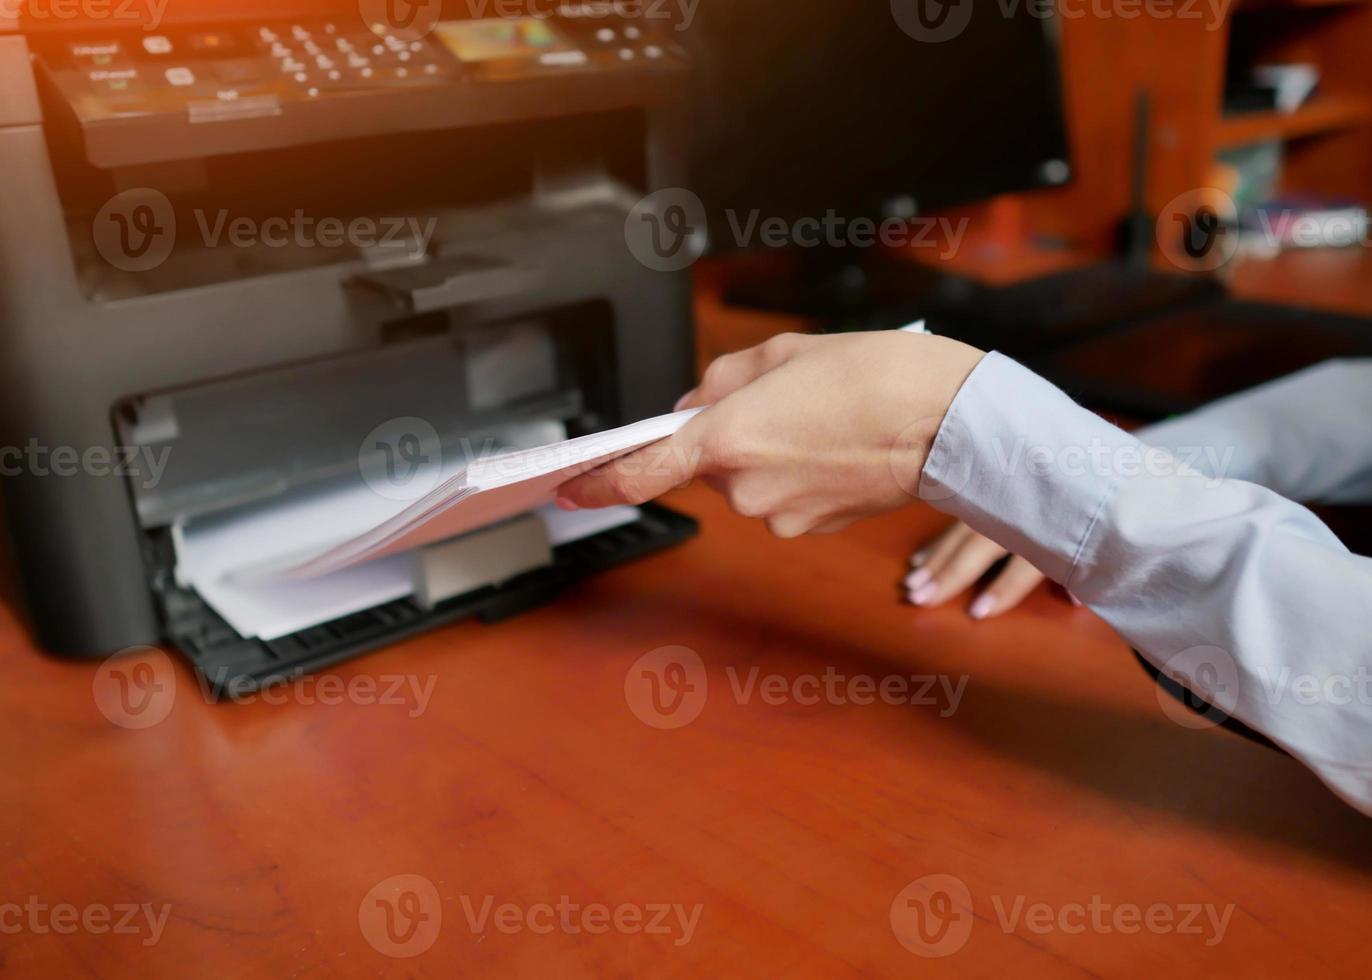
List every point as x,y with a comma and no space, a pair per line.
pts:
326,551
482,493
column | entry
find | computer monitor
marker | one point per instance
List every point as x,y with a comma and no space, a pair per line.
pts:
869,108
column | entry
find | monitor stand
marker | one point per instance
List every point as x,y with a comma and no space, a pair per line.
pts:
844,290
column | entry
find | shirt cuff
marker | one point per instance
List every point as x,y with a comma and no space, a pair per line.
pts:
1020,462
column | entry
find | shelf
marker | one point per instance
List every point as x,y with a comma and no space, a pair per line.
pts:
1323,114
1269,5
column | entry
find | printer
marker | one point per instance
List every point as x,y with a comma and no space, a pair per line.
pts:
249,248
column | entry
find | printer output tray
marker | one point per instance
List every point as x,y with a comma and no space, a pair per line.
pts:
229,665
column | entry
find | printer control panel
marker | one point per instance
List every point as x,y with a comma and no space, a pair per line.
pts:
241,70
244,69
203,89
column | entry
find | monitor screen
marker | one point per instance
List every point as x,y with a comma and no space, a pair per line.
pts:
870,108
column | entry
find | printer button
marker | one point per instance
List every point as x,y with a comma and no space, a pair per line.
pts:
180,76
97,54
238,71
114,81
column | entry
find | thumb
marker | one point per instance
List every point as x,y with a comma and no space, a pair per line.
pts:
637,477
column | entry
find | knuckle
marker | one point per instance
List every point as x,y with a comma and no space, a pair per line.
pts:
724,449
718,370
782,346
627,487
787,525
746,503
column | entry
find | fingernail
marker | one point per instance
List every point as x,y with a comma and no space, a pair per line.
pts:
1075,600
918,578
683,400
918,558
566,503
925,594
983,607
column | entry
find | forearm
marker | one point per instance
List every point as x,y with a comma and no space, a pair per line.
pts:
1304,436
1179,562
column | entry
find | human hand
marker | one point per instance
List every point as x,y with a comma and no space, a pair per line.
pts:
809,433
956,560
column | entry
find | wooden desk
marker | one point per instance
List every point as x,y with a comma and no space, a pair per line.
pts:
1057,792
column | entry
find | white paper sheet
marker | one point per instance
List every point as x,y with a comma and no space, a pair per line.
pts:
271,610
233,560
486,491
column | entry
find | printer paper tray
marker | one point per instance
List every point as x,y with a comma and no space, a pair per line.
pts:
230,665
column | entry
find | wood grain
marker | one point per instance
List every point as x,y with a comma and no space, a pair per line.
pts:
1054,781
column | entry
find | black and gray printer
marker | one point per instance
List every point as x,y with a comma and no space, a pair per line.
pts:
238,237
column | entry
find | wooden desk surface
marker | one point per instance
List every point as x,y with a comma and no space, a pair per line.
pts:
1074,827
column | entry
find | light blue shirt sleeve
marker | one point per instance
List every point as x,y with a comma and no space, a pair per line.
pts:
1306,435
1244,596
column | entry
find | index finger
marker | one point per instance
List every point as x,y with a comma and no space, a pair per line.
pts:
638,477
